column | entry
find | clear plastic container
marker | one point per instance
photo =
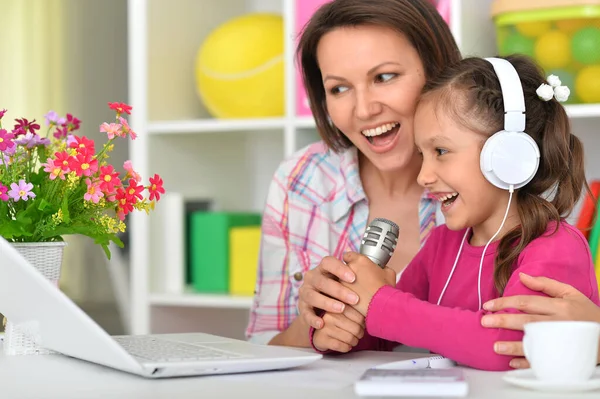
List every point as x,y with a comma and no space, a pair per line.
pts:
563,36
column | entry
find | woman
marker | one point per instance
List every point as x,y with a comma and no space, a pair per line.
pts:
364,64
352,54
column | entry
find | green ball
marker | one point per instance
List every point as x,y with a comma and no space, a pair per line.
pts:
567,79
515,43
585,45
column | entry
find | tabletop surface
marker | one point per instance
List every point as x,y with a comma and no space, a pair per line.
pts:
57,376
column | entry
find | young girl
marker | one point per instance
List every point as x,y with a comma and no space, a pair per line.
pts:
491,235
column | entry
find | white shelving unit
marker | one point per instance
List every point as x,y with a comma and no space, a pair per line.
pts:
231,161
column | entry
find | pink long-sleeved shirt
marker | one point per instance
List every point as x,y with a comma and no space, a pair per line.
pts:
408,313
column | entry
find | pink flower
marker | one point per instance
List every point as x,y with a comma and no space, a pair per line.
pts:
126,129
93,192
3,195
111,129
21,191
54,169
130,172
6,140
52,119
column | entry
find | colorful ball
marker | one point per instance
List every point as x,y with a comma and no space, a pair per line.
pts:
239,68
572,25
587,84
585,45
516,43
533,29
553,50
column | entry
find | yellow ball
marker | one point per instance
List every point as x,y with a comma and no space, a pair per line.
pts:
553,50
587,84
239,68
533,29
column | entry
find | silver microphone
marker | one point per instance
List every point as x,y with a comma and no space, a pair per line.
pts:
379,241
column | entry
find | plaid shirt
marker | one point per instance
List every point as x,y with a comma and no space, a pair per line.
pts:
315,207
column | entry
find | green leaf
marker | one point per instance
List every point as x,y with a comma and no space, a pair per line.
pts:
65,209
44,204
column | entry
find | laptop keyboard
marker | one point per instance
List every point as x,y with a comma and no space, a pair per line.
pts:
162,350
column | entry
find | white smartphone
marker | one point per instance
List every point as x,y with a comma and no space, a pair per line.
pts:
416,382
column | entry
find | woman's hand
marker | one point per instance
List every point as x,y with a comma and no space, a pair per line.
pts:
566,303
341,332
369,279
322,289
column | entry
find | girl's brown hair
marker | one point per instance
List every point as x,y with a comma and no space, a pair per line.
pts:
470,93
417,20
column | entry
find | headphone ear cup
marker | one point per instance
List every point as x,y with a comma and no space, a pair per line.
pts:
509,159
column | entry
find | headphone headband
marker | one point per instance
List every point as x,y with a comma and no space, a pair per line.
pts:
512,94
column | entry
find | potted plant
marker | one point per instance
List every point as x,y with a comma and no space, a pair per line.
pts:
57,183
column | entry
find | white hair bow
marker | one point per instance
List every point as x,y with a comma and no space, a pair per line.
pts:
554,89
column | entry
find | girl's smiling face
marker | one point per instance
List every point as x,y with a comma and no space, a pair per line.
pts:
451,172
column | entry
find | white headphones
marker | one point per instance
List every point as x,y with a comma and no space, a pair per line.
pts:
510,157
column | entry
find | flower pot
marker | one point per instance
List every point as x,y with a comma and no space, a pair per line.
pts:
46,257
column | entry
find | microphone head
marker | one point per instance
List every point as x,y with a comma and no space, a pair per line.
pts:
380,240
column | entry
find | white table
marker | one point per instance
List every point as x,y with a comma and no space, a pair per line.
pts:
56,376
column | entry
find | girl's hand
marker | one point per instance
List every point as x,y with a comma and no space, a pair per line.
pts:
341,332
322,289
566,303
369,279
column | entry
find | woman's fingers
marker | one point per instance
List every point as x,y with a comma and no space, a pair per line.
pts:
519,363
533,304
321,290
510,321
510,348
337,268
548,286
308,314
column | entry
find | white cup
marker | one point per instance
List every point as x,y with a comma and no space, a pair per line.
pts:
562,351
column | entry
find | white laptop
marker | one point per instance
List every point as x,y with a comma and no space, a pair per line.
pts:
28,297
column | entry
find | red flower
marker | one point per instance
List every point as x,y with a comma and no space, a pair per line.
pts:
62,159
109,179
83,164
121,108
83,145
156,187
125,205
71,123
23,125
134,190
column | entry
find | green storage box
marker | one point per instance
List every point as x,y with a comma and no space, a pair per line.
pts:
209,247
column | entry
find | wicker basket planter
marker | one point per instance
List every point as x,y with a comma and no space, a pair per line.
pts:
23,338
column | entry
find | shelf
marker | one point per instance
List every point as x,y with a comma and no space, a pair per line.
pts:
193,299
583,110
215,125
304,122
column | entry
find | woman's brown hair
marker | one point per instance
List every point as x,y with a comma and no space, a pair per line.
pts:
470,93
417,20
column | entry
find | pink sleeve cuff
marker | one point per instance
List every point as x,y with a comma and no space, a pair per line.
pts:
376,310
